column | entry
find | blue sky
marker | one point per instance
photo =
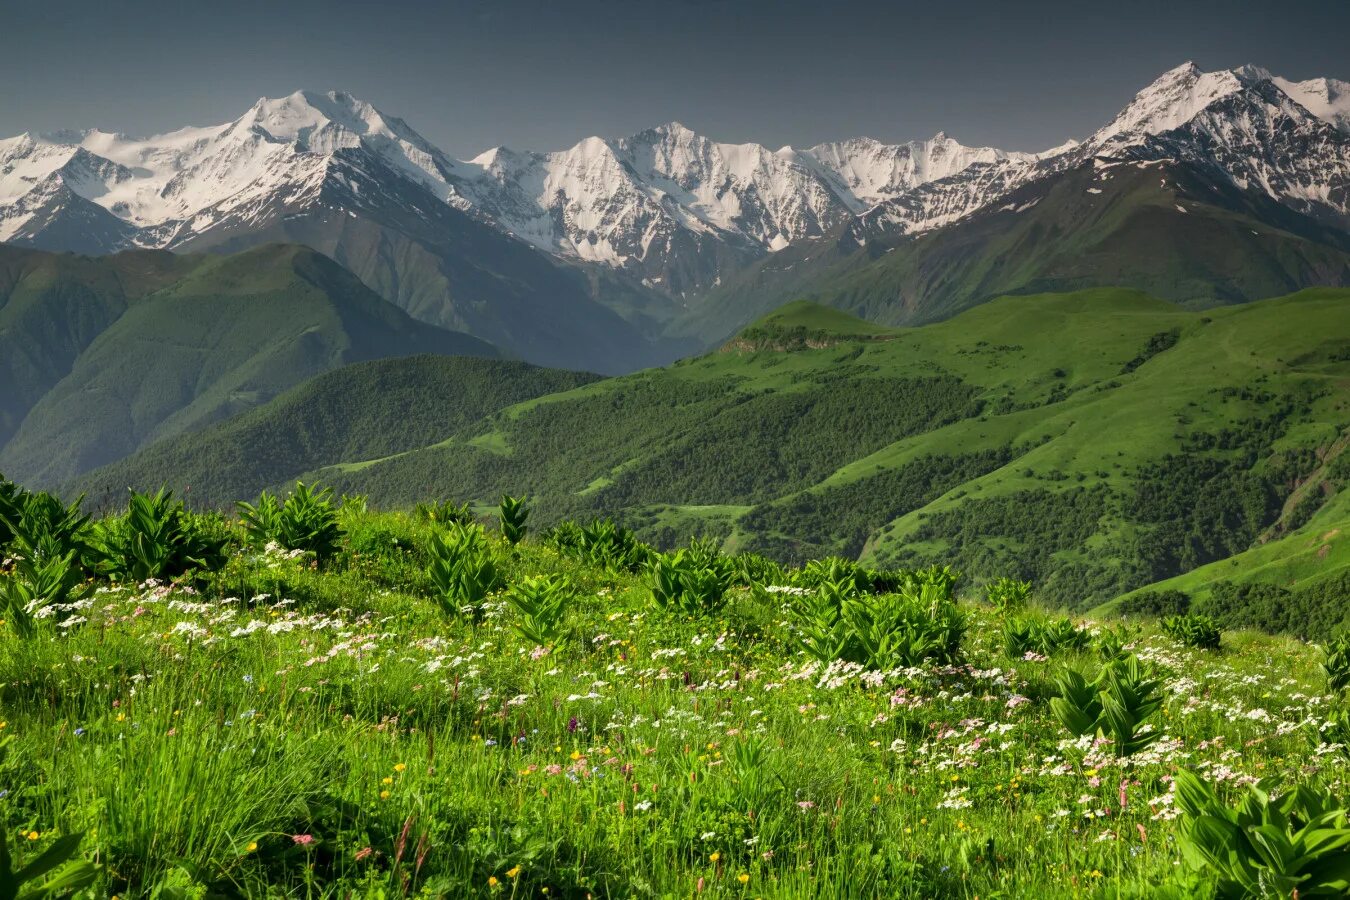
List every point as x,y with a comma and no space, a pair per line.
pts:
471,74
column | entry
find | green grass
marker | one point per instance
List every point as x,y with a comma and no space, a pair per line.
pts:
284,731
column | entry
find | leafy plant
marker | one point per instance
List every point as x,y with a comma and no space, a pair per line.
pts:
52,581
42,526
1117,704
880,631
1008,595
540,603
1193,630
55,873
890,631
444,512
1336,663
1046,637
1111,643
307,521
157,538
1296,844
601,543
681,584
462,571
11,496
513,514
821,631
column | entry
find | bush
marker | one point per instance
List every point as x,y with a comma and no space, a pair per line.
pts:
601,543
1044,636
539,604
880,631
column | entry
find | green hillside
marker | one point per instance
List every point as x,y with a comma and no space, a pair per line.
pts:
107,355
1095,441
363,411
1162,228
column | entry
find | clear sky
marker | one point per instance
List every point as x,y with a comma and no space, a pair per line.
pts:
530,74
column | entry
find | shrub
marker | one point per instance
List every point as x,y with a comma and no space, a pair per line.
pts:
1117,704
1111,643
42,526
1296,844
889,631
601,543
880,631
1198,631
38,583
444,513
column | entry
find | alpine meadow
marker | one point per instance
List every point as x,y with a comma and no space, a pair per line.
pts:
661,516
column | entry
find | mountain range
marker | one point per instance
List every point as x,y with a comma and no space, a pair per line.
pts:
620,253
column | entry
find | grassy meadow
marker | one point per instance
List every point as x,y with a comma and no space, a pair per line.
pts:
310,699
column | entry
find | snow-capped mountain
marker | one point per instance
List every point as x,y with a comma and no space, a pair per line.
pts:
671,210
669,206
1287,140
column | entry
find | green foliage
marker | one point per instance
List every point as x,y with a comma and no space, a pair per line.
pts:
307,521
890,631
1198,631
444,512
11,496
1309,611
837,621
1111,643
1044,636
1336,663
54,874
41,582
540,603
42,526
685,583
601,543
513,514
1008,595
157,538
1292,844
1117,704
1160,342
1155,604
463,572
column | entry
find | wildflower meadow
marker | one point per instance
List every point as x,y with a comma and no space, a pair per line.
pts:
307,698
